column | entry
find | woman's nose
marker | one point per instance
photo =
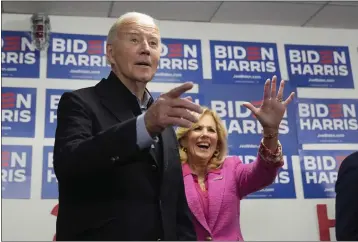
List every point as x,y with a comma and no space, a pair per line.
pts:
204,132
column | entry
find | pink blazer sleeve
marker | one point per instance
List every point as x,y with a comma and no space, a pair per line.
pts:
255,175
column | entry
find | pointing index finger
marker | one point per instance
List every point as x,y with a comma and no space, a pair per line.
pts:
178,91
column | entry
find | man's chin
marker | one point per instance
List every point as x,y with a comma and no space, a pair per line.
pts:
144,79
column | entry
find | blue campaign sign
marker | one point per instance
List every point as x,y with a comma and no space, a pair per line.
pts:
243,62
327,120
244,130
180,61
319,170
18,112
19,58
52,99
49,180
319,66
284,185
77,56
16,163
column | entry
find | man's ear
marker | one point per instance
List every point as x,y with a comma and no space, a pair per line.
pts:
109,53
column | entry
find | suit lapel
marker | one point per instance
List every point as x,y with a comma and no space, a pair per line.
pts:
121,113
117,98
193,201
216,182
119,101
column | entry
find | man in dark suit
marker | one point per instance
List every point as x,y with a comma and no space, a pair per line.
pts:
116,155
347,199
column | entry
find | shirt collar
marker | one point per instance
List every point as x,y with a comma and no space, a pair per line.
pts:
146,99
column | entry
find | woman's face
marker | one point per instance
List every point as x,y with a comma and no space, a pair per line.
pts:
201,141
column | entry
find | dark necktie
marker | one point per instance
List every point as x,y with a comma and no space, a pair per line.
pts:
156,145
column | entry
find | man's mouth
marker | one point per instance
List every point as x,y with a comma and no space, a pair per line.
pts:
143,63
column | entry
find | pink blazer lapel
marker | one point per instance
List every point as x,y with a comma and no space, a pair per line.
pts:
194,202
216,182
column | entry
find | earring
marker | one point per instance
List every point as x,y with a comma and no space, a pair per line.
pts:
216,153
184,149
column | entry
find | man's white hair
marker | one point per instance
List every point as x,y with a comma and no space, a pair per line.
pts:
112,34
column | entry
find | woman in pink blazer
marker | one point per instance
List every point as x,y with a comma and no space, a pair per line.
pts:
215,183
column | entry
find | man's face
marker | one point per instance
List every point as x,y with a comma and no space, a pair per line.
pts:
135,52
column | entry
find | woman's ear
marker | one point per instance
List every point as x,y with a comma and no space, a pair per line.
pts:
183,143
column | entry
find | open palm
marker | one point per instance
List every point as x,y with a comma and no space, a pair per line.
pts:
273,107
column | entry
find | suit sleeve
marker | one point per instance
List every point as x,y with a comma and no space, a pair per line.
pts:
185,227
77,152
347,202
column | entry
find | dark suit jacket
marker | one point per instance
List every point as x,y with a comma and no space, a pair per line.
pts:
347,199
109,189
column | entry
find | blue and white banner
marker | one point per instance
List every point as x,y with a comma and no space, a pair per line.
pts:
327,120
49,181
18,112
244,130
319,66
180,61
19,58
284,185
243,62
319,170
53,97
77,56
16,165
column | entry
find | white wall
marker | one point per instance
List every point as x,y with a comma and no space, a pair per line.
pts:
292,219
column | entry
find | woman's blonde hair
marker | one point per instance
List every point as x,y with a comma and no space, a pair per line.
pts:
221,150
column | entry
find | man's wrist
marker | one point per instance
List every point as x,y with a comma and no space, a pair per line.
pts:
149,128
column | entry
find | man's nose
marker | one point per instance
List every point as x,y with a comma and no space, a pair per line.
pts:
145,48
